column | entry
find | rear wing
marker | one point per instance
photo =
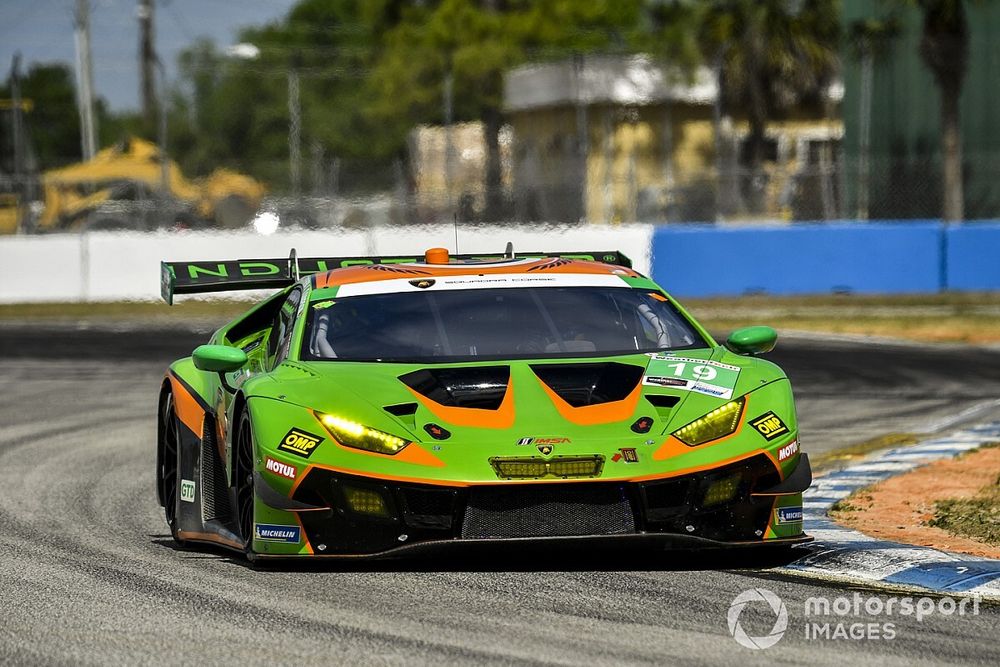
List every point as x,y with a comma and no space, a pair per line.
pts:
245,274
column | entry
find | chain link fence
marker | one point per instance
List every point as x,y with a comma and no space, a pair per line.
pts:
818,184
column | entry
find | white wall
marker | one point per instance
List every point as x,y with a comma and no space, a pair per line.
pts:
116,266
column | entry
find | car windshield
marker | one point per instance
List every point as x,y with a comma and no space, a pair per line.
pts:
484,324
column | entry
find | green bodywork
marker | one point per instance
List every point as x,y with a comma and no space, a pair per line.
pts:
282,394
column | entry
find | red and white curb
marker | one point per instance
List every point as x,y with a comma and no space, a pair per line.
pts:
842,554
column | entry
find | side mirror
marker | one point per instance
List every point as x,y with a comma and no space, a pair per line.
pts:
752,340
218,358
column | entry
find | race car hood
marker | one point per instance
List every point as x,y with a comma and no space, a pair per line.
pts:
624,399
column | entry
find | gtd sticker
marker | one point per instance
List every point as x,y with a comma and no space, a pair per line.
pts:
187,490
299,443
789,450
789,514
279,468
769,425
274,533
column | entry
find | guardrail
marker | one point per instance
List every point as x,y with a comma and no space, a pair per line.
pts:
689,260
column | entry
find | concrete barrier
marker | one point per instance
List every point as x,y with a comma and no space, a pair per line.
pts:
690,261
115,266
972,257
706,261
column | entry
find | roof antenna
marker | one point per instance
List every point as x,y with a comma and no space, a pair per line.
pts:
509,252
454,217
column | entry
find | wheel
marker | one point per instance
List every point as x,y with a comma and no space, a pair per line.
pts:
169,462
243,476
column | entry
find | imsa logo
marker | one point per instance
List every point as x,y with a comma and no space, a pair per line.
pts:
299,443
769,425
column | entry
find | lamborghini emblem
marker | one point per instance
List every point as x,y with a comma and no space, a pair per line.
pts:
545,449
422,283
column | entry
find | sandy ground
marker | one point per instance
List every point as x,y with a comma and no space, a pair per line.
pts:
899,508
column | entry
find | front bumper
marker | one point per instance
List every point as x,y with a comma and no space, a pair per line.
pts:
371,517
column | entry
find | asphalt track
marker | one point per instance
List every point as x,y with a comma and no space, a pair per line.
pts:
88,574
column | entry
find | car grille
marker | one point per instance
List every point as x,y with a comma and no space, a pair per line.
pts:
551,510
536,467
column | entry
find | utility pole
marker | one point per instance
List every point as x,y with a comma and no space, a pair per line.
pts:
147,63
84,79
19,175
294,130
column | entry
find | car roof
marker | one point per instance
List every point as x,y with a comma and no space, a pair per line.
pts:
562,270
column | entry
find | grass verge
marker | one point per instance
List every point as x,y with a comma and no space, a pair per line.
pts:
977,518
950,317
839,457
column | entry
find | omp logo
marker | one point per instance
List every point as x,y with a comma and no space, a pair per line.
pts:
187,490
279,468
741,602
791,449
789,514
769,425
299,443
274,533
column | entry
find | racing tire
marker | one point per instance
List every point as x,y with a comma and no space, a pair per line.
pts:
169,464
243,481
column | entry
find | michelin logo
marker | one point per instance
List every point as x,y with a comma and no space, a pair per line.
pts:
789,514
274,533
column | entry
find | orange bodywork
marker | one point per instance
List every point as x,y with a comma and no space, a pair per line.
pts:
187,407
502,417
364,273
590,415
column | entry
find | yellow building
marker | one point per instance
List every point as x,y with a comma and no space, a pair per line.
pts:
621,138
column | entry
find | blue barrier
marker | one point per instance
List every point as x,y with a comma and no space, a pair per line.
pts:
868,258
972,257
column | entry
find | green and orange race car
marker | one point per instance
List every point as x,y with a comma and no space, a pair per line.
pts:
379,405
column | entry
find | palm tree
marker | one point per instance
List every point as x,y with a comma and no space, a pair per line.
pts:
771,55
944,47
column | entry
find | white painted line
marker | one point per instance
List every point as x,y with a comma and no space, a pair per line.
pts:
968,413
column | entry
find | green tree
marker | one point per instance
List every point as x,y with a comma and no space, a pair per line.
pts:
771,55
53,123
469,45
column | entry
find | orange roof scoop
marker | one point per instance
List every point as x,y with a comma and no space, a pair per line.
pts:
436,256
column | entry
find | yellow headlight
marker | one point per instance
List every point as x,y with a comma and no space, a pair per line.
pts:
718,423
722,490
353,434
364,501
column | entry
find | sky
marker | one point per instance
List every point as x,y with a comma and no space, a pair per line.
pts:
42,31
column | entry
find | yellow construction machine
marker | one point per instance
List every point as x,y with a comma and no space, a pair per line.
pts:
128,186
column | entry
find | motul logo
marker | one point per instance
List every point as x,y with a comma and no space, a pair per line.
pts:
279,468
788,450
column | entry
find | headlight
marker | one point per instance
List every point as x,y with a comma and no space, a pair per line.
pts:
353,434
718,423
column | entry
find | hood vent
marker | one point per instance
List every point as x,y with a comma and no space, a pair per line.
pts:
662,401
480,387
401,410
404,412
590,384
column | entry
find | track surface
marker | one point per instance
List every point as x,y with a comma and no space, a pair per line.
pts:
88,574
